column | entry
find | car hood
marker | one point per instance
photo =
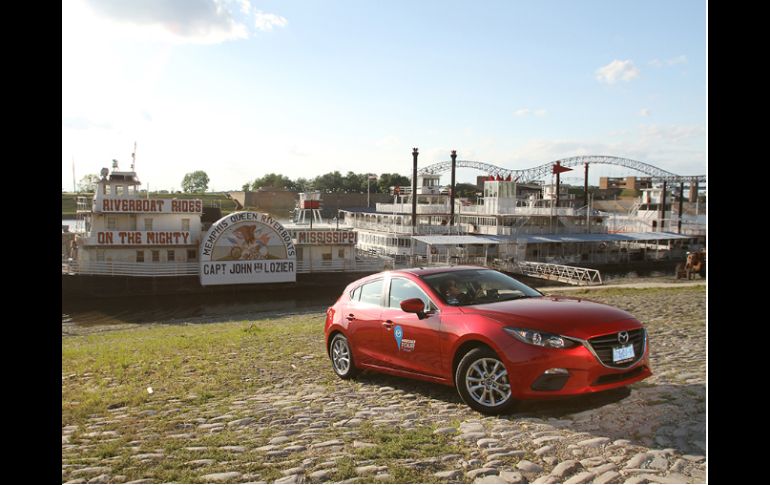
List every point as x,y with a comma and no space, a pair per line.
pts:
573,317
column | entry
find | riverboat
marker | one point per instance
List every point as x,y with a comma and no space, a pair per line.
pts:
125,242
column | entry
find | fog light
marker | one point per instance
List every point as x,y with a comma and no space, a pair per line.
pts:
557,371
551,380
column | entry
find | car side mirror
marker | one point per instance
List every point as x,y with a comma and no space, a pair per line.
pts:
414,305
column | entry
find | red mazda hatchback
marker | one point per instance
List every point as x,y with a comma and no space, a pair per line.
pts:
492,337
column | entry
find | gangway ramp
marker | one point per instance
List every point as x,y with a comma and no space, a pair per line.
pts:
572,275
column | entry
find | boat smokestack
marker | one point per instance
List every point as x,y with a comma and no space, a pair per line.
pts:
415,152
452,190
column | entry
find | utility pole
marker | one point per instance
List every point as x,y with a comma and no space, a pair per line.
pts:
452,193
415,152
681,200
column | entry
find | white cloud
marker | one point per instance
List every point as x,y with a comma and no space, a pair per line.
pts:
644,112
680,149
266,21
677,60
674,133
521,112
617,71
656,63
184,21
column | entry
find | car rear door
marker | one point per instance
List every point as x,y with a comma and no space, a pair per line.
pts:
411,344
363,313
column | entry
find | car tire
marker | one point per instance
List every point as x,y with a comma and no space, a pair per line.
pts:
493,394
342,357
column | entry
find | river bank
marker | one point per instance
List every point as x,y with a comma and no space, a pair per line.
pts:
256,400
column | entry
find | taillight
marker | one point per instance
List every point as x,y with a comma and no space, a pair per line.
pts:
330,314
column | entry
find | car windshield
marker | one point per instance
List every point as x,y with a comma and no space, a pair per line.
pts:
477,286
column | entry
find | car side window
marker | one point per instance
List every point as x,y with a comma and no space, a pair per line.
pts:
371,293
402,289
355,295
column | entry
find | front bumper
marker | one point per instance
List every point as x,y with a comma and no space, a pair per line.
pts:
527,366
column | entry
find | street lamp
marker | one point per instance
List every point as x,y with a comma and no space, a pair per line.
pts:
368,179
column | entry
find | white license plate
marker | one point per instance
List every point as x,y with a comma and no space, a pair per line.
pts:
619,354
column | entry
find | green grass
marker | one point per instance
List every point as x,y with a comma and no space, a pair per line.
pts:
417,442
207,361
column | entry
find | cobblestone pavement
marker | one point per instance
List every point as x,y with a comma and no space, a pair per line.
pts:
298,430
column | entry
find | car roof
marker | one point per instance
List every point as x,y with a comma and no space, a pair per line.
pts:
436,270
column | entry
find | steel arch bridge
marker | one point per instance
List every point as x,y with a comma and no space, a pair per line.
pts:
543,171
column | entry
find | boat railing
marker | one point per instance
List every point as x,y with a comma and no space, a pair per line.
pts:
559,272
120,268
407,208
401,228
360,264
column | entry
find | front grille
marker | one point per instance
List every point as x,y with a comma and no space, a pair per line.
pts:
604,344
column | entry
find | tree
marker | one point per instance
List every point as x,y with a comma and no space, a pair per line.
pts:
273,180
329,182
388,180
197,181
88,183
303,185
466,190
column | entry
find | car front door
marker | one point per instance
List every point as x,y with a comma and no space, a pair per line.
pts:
410,344
363,313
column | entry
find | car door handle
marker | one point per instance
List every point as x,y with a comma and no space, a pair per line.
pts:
387,324
350,317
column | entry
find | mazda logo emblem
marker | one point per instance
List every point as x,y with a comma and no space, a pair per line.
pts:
623,338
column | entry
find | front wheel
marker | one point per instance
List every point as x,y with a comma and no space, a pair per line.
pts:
482,382
342,357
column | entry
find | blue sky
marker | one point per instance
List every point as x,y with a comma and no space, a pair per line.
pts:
243,88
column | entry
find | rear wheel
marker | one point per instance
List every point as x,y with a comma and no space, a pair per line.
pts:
482,382
342,357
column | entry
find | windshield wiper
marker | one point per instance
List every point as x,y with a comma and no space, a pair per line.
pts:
516,297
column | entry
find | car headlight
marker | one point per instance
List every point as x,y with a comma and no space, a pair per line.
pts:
540,339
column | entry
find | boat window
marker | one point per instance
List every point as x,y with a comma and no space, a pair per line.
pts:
191,255
112,223
140,256
119,190
341,253
371,293
100,254
155,256
148,224
185,224
171,255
